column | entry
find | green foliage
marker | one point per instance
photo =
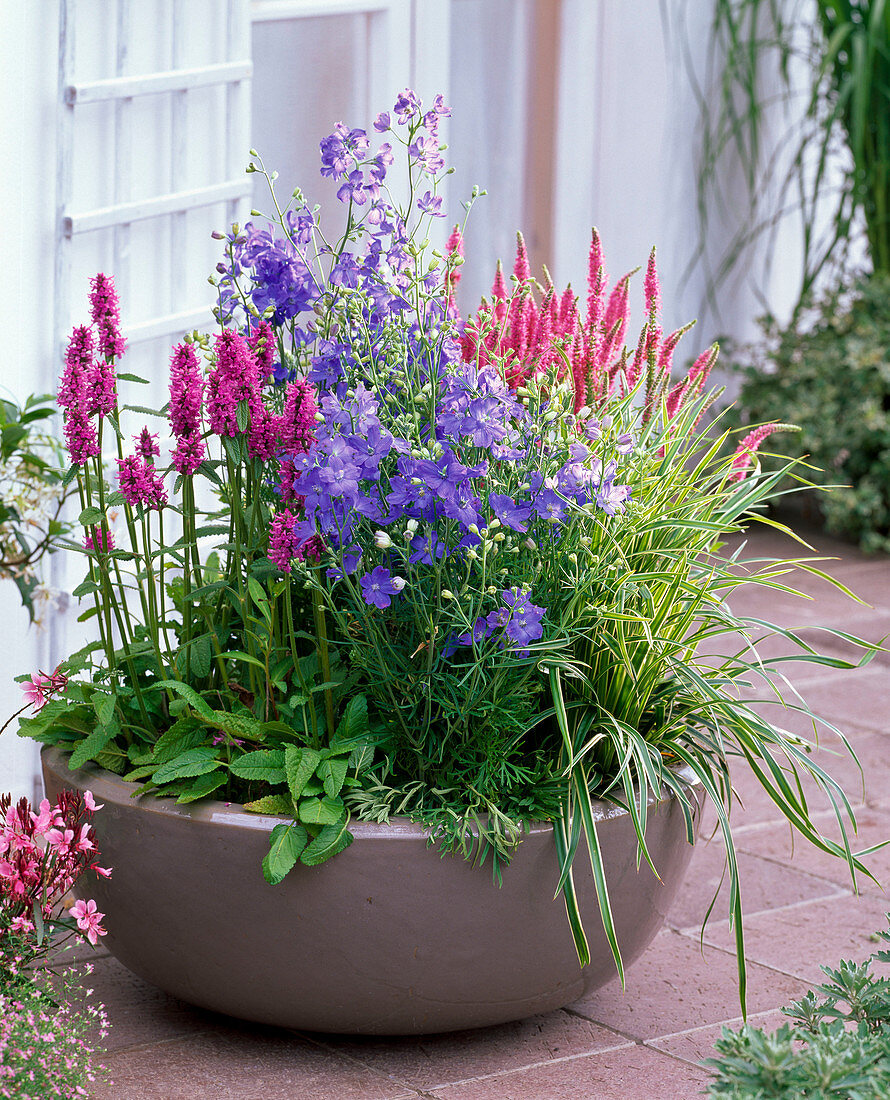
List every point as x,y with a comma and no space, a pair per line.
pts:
830,375
838,1044
31,495
800,113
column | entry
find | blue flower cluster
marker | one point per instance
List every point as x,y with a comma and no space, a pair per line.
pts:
281,269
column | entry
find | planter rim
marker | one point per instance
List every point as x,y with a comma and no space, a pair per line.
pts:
108,786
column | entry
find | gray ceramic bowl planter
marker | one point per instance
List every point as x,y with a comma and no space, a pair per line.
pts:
388,938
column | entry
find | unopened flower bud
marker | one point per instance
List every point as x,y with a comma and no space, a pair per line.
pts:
607,421
447,594
472,555
398,583
530,544
491,590
382,540
499,537
494,523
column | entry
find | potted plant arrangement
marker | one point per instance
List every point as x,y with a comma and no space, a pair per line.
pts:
410,594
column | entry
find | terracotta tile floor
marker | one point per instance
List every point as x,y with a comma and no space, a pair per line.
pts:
645,1042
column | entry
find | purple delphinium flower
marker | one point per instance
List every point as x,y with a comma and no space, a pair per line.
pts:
353,188
381,122
379,586
524,623
611,498
431,204
511,514
406,106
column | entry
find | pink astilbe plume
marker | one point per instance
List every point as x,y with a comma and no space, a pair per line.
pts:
105,314
233,379
743,459
284,544
264,435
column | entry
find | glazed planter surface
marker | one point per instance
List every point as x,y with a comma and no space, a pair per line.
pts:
387,938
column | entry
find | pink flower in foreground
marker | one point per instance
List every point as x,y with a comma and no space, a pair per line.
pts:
262,344
91,804
88,920
298,428
35,691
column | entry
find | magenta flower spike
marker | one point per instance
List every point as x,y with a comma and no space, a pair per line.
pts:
520,268
105,314
743,458
651,289
262,343
186,391
78,364
232,380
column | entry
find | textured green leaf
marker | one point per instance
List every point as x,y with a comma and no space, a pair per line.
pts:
285,845
203,786
238,725
191,762
299,766
272,804
262,764
103,704
201,654
333,773
90,516
185,734
85,588
93,744
354,722
322,811
187,692
331,840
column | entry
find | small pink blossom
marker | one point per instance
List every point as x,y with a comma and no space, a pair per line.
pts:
105,314
94,539
88,920
91,804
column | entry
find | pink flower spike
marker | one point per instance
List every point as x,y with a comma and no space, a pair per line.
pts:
88,920
91,804
186,391
651,288
520,268
105,313
743,458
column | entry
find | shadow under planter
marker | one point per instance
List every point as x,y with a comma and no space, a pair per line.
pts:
387,938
